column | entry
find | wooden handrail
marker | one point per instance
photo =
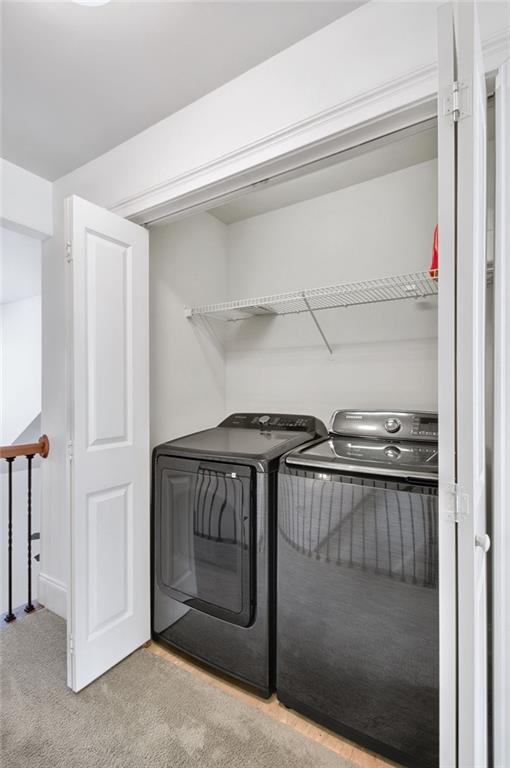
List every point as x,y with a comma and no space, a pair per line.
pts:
41,448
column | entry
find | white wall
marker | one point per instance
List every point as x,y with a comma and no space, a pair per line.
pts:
26,201
385,356
188,265
20,398
20,266
20,379
20,333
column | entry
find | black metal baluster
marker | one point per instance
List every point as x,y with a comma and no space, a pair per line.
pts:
10,616
29,606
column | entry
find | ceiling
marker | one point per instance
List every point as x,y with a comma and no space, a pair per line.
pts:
377,158
78,80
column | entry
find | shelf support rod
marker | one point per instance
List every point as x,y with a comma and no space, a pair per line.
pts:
326,342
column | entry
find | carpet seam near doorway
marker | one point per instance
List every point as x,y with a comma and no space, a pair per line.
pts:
143,712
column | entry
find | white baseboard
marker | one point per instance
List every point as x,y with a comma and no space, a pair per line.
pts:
53,595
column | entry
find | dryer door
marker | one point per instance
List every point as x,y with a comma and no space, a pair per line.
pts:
203,536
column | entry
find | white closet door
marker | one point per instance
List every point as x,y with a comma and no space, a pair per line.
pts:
108,373
501,496
472,543
446,394
462,286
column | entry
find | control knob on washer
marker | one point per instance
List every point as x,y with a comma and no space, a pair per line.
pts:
264,419
392,425
392,452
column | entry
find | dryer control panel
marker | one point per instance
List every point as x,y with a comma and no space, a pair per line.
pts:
401,425
282,422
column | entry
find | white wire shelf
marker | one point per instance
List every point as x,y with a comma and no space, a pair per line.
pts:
416,285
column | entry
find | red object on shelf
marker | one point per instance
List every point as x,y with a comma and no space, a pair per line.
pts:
434,264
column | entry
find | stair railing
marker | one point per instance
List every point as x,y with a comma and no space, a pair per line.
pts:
10,453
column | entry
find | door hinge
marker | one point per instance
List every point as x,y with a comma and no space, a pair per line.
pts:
457,103
70,644
69,252
457,503
70,450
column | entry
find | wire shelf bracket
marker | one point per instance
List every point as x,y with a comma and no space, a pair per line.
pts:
318,325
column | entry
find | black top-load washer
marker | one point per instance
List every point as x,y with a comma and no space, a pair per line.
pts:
357,596
213,540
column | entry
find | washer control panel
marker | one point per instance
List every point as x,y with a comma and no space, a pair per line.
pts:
282,422
401,425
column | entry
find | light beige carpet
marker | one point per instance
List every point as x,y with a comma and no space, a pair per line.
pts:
144,712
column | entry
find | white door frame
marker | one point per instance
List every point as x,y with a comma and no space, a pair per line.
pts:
279,168
472,539
501,482
447,399
462,446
